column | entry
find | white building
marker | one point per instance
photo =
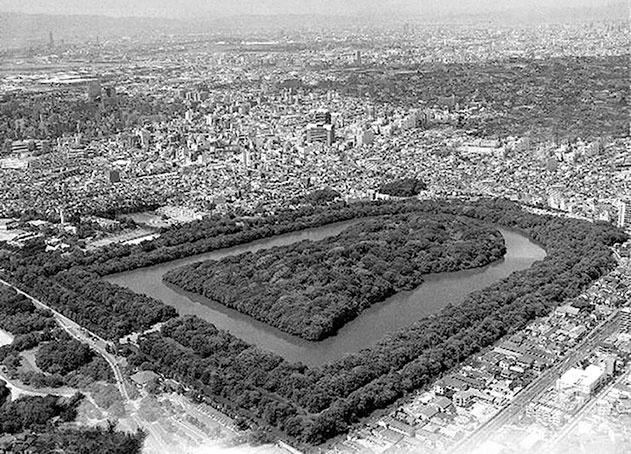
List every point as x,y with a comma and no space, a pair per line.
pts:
581,381
624,214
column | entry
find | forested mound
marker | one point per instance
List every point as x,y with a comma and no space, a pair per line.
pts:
311,289
314,404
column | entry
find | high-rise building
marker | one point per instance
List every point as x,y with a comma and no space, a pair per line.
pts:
358,58
62,216
556,199
322,133
624,213
323,117
322,130
51,41
246,157
145,138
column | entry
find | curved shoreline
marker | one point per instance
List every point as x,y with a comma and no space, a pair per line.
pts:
369,327
311,289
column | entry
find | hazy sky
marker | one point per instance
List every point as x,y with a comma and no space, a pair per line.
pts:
193,8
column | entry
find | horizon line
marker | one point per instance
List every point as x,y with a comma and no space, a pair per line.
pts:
404,14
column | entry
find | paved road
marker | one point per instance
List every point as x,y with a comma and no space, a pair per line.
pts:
28,391
99,345
537,387
83,335
585,410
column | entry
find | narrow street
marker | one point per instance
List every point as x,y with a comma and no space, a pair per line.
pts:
537,387
98,344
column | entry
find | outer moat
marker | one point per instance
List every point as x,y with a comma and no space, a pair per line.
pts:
376,322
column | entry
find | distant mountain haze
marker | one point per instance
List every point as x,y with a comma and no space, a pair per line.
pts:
215,8
27,23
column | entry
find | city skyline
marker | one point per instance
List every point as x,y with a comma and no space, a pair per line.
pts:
346,227
222,8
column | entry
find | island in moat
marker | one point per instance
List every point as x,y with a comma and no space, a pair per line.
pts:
311,289
312,404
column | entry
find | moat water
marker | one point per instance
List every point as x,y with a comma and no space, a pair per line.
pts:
369,327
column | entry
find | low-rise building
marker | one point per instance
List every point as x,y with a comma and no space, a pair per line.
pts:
583,381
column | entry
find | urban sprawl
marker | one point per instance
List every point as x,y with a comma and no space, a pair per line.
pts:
107,144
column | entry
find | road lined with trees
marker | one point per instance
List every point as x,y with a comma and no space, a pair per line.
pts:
62,359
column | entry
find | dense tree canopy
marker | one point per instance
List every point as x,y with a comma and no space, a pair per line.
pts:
311,289
36,413
93,440
19,316
41,419
105,309
403,187
314,404
5,392
109,310
319,197
62,359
